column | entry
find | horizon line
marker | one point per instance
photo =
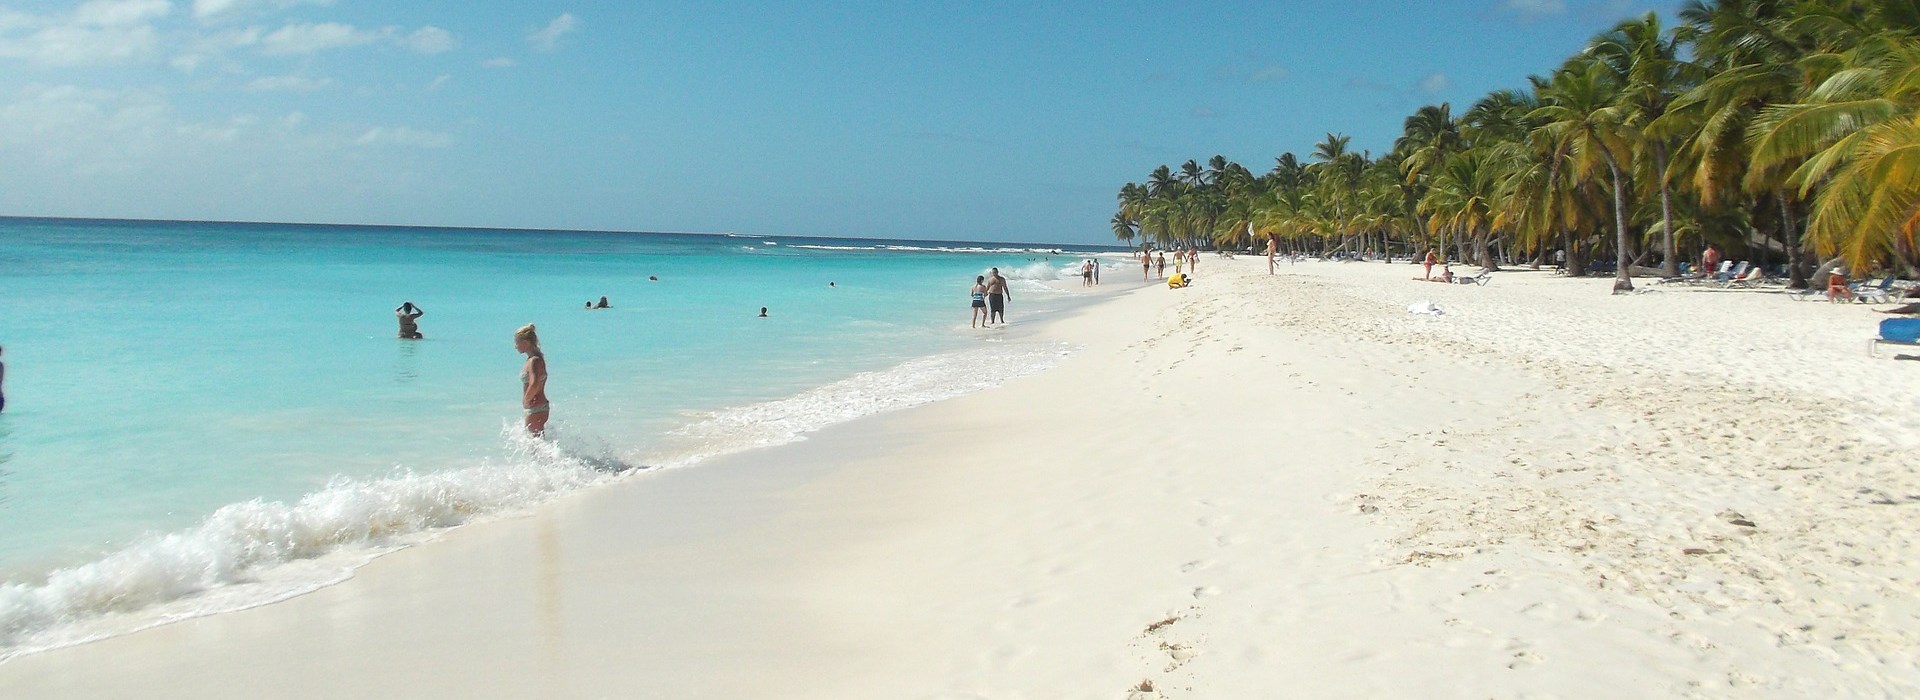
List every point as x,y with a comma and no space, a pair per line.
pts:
523,229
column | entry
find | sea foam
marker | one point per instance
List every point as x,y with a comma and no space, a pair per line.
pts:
909,384
257,552
240,544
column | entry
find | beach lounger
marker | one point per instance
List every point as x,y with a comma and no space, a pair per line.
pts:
1753,277
1896,331
1881,293
1733,273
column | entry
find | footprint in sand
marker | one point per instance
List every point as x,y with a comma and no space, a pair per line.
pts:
1205,592
1196,565
1523,657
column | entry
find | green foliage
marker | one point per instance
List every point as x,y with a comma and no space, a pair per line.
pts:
1737,124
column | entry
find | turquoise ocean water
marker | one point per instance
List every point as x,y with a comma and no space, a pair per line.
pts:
208,416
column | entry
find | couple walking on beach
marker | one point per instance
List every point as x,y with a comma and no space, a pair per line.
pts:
1189,257
989,299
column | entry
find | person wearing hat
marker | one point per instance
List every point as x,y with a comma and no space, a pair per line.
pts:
1837,288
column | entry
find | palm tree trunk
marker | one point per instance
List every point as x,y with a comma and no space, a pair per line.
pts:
1576,265
1796,277
1483,250
1671,268
1623,277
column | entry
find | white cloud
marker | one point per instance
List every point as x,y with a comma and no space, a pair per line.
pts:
1435,83
1204,112
213,9
296,39
75,45
1268,74
403,136
11,21
438,82
499,62
430,40
101,32
208,8
1535,9
67,148
121,13
210,48
548,38
287,83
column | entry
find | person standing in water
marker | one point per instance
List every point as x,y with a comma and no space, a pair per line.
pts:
979,294
1086,273
1096,271
409,316
533,380
3,386
996,297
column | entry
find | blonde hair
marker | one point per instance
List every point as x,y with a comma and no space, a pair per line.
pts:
526,333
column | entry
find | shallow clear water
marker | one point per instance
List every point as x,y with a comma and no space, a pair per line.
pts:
158,372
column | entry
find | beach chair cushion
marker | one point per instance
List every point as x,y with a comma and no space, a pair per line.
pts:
1900,330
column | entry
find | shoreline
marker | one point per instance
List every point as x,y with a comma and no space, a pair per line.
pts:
261,552
1253,484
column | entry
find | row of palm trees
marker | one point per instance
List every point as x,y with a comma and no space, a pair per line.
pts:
1784,129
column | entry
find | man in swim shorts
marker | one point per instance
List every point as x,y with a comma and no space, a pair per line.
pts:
996,297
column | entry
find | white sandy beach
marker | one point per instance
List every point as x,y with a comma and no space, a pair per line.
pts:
1260,486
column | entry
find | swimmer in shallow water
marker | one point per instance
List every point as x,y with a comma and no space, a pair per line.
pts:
533,380
763,312
409,316
603,304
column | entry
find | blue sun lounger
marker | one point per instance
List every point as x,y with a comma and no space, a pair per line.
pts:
1896,331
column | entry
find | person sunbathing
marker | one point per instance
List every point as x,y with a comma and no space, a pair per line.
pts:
1837,287
1908,309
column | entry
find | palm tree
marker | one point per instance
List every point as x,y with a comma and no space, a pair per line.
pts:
1464,195
1645,62
1123,228
1752,64
1578,111
1191,174
1858,137
1430,137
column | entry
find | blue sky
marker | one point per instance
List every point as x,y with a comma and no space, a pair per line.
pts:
979,120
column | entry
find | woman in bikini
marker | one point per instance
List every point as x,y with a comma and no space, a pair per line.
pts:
979,293
533,380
